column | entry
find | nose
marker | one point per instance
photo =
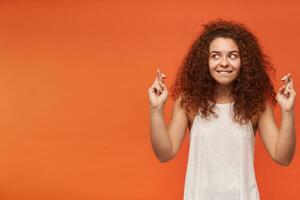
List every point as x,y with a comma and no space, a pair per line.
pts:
224,61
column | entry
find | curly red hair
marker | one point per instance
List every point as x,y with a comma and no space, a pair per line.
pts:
252,88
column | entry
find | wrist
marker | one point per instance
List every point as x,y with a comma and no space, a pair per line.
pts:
290,112
156,109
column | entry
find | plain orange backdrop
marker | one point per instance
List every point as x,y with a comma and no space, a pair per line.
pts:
74,106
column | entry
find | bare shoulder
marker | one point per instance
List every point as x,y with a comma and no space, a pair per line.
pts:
179,114
189,115
267,112
178,109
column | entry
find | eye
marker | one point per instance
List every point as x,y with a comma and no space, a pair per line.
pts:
233,56
214,56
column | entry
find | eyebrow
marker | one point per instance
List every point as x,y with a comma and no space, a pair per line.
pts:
220,52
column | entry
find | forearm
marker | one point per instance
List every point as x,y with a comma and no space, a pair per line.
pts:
286,143
160,140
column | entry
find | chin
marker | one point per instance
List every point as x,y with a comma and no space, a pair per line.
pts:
224,83
224,80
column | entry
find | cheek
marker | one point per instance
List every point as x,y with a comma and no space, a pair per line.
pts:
236,64
237,67
211,67
212,64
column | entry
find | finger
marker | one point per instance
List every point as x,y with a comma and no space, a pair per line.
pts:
158,71
155,86
281,89
288,79
163,86
285,91
158,84
291,92
159,79
285,77
153,90
156,90
161,76
291,84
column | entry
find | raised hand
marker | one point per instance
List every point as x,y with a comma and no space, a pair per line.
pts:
158,92
286,94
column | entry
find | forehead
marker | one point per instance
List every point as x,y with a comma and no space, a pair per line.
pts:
222,44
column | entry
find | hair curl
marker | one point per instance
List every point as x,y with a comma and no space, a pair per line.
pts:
252,88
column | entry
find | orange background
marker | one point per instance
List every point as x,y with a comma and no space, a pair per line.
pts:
74,106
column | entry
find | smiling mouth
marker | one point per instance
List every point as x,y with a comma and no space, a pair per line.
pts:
224,72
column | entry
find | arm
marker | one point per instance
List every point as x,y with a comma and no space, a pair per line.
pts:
166,140
286,144
280,143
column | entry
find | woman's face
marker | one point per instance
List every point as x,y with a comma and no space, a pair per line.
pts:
224,60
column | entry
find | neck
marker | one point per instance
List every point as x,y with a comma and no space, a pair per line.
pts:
223,94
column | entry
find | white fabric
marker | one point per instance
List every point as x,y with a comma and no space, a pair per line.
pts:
220,163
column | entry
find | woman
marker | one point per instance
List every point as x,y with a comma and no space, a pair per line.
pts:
224,94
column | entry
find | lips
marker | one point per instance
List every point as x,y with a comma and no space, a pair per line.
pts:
224,71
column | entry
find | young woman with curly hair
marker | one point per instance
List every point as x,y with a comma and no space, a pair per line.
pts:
224,94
